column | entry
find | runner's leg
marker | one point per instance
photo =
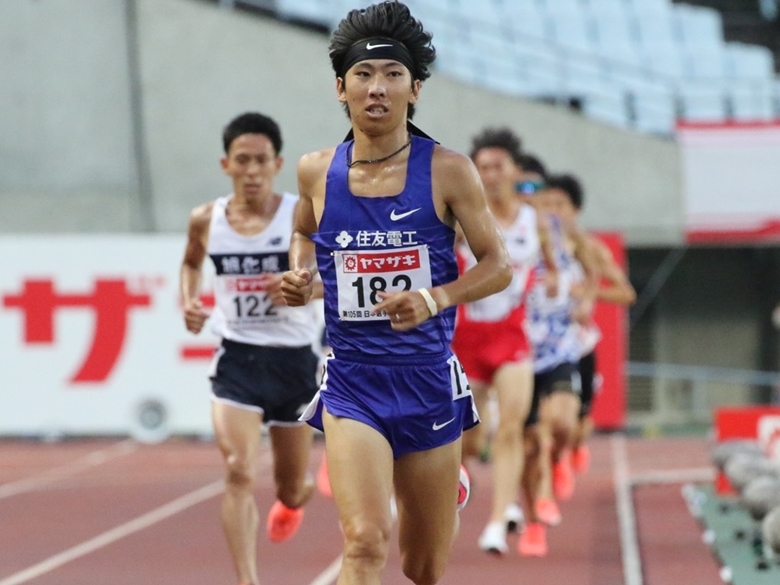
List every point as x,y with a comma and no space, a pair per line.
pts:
237,432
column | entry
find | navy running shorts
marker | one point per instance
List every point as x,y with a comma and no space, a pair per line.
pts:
277,382
587,370
562,378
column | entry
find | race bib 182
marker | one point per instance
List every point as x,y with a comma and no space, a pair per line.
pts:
362,275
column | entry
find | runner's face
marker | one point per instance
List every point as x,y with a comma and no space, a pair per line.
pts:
378,93
252,164
533,178
558,202
497,171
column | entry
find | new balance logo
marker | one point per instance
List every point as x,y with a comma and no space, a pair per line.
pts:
396,216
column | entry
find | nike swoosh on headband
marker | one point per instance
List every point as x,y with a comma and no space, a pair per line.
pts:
369,46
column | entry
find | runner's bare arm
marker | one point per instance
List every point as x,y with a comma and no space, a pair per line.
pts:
614,286
460,198
298,284
548,254
190,272
584,293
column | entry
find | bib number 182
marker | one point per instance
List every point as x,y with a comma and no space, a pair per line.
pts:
377,284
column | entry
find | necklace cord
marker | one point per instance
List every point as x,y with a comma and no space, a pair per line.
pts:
376,160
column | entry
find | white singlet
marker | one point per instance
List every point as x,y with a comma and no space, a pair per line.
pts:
242,309
522,243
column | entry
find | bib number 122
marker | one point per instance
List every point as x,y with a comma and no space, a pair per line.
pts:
252,306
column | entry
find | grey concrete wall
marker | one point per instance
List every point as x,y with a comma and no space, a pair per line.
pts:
65,141
69,143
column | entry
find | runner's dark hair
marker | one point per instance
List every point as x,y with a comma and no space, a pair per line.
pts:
503,138
252,123
390,20
570,185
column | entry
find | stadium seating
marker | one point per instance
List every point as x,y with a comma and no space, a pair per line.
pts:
750,61
315,11
632,63
698,28
752,101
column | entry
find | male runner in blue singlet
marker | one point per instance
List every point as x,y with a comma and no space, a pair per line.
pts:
377,219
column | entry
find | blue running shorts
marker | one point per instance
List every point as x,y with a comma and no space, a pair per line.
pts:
416,402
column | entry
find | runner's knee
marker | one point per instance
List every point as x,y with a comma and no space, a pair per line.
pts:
544,444
293,493
510,432
240,472
423,572
366,543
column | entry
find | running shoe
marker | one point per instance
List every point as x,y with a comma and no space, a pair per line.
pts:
464,488
514,518
493,539
547,511
283,522
533,540
580,459
563,478
323,479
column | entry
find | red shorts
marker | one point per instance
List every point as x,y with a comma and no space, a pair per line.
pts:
482,348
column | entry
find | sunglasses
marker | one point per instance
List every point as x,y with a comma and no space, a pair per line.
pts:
528,187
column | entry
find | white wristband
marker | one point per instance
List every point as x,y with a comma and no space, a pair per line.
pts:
434,310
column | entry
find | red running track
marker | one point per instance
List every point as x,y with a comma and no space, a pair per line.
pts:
99,511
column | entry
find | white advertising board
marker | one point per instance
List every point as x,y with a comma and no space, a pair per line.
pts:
92,340
732,181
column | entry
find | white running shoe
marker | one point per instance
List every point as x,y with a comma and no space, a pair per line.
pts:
493,539
514,517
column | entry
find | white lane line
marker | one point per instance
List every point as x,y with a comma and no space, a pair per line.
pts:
632,564
110,536
668,476
92,459
328,576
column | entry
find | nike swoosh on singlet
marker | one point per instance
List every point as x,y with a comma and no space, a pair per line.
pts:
396,216
437,426
369,46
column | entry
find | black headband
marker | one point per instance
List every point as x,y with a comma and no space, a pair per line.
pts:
376,48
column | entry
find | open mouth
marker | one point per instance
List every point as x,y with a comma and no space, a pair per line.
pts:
376,110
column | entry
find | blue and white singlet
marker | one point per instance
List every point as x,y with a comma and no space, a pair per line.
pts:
388,243
551,330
